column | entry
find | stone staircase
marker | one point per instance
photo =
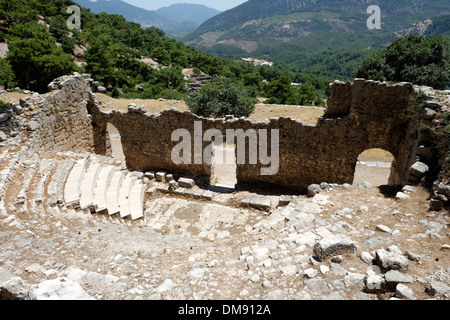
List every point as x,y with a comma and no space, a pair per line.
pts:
102,187
82,182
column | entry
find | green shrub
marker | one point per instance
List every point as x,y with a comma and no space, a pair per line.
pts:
222,97
115,93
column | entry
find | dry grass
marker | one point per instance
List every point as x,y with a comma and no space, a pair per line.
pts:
306,114
13,97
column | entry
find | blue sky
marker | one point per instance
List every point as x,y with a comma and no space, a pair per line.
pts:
221,5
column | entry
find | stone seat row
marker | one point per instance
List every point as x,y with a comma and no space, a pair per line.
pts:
102,188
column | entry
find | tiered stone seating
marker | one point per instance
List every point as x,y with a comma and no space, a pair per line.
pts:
56,186
124,194
112,195
137,195
77,183
88,186
101,187
72,188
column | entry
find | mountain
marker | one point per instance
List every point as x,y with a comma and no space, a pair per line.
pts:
174,19
429,27
146,18
281,21
195,13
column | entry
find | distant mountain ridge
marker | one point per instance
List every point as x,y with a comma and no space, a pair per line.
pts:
196,13
287,20
172,19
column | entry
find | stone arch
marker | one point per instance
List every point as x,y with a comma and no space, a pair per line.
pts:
375,166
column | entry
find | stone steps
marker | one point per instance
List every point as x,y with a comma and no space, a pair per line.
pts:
45,169
88,186
136,200
101,187
112,194
72,188
30,169
124,194
80,183
56,186
7,174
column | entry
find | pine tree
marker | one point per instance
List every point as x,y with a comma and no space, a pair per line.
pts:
34,56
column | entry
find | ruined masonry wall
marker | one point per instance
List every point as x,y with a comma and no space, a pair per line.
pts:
360,116
59,121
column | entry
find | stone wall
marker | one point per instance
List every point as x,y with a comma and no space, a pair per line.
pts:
57,121
360,116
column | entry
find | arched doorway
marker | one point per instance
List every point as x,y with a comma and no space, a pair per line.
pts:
116,150
374,166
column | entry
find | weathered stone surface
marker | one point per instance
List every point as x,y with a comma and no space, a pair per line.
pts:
310,273
403,291
438,289
33,125
101,89
3,136
377,242
186,183
418,169
366,257
5,275
15,289
383,228
394,277
313,190
207,195
17,109
429,113
149,175
307,207
391,261
333,245
59,289
444,189
364,184
374,283
284,201
401,195
433,228
260,203
160,176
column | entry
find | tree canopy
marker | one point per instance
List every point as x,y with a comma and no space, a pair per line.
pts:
222,97
416,59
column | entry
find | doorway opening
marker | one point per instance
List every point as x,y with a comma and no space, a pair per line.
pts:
116,150
374,166
223,166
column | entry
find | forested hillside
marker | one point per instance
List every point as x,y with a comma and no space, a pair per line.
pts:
328,38
41,47
117,53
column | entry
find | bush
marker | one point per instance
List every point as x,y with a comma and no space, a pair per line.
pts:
221,97
115,93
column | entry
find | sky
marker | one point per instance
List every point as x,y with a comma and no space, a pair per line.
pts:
221,5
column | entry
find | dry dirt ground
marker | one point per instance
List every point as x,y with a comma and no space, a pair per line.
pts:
187,248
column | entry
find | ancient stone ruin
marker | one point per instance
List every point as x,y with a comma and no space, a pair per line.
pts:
360,115
56,169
